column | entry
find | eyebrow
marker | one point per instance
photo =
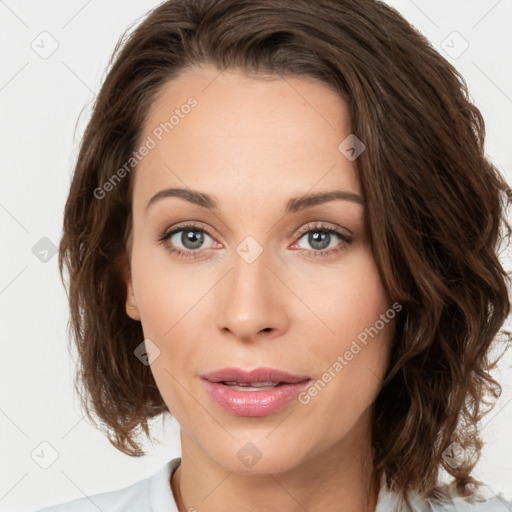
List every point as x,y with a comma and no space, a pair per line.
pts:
295,204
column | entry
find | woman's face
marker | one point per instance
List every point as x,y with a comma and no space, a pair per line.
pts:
259,280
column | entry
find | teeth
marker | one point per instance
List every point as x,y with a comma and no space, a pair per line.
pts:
251,384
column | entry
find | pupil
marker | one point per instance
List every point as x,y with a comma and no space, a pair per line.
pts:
318,239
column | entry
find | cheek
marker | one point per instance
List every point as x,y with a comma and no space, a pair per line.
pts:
170,304
358,328
164,292
351,369
346,298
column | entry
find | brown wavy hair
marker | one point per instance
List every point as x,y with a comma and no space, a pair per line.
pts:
436,206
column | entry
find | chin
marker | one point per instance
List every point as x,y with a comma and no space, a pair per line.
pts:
254,459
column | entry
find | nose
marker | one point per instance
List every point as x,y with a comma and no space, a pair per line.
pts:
252,300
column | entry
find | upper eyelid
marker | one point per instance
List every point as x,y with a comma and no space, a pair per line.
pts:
322,225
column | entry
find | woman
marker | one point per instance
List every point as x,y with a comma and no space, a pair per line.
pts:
282,230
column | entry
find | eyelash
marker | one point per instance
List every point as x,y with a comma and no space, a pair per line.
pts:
193,254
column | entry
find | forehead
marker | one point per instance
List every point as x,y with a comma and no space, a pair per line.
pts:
263,137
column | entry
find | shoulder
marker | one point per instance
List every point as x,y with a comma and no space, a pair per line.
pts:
491,505
459,504
151,494
445,500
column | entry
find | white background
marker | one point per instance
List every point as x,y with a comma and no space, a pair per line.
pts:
41,101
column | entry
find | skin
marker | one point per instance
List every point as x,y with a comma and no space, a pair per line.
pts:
253,144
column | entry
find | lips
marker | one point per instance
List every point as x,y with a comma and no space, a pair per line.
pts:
267,376
258,392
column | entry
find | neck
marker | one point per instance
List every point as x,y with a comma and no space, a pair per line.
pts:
339,475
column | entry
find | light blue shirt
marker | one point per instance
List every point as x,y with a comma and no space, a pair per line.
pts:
153,494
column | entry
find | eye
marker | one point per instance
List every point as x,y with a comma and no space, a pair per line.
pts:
323,239
186,241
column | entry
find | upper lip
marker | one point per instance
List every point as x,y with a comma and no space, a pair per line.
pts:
256,375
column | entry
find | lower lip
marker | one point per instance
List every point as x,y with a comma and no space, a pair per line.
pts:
254,403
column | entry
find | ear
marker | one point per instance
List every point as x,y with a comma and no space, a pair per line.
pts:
131,304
